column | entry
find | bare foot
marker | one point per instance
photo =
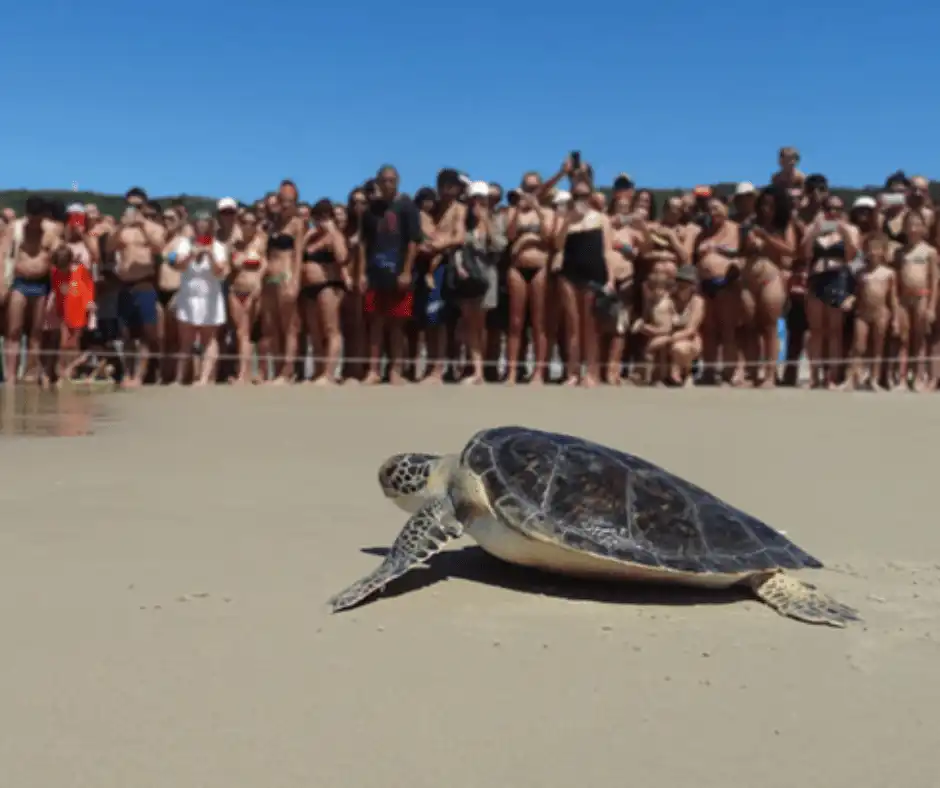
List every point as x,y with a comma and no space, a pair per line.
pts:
571,381
767,384
396,379
131,383
589,382
472,380
537,380
372,379
920,386
434,379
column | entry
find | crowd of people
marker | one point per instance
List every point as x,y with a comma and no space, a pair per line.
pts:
454,285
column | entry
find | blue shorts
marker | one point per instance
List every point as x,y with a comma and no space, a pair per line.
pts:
429,302
30,287
137,306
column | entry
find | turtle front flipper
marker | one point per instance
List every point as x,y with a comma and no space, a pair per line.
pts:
427,532
802,601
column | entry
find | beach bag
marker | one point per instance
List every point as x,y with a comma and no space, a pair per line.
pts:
476,282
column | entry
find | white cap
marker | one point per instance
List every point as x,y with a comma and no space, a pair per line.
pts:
226,204
745,187
479,189
864,202
561,196
75,207
464,179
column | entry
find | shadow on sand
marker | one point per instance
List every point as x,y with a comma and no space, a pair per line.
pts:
477,566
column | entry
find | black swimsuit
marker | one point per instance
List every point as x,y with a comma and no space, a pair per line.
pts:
833,285
320,257
281,241
583,258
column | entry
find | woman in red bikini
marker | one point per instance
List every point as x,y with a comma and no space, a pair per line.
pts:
249,265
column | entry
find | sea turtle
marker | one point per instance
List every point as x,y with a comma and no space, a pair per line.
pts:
566,505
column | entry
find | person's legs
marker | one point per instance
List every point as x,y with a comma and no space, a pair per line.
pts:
15,318
329,302
208,337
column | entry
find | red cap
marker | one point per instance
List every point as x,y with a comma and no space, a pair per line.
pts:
702,191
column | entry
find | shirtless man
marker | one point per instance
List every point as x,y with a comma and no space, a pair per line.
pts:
33,242
788,176
656,327
876,310
137,242
918,199
444,231
916,263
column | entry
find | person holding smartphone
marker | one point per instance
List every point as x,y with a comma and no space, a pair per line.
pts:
829,244
200,303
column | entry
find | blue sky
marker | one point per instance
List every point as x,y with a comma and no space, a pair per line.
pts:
227,98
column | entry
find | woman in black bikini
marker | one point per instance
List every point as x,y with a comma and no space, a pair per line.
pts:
323,286
528,232
279,317
830,244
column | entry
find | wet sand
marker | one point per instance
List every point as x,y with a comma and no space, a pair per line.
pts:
163,580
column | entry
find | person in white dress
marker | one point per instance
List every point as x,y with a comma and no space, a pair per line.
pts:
200,303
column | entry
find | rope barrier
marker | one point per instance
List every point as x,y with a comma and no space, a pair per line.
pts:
526,362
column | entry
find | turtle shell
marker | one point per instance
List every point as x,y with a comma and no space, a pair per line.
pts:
597,500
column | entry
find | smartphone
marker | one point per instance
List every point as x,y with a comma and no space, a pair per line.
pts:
576,159
828,227
893,199
204,240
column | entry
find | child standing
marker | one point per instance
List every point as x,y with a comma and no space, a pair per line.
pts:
876,311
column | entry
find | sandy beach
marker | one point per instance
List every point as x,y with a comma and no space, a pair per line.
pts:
163,585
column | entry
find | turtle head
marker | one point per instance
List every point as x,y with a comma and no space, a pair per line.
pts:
411,480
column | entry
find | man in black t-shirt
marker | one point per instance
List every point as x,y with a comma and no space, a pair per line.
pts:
390,234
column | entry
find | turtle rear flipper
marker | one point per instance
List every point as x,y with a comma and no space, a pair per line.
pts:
427,532
800,600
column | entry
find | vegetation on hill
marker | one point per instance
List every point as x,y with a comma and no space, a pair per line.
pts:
113,204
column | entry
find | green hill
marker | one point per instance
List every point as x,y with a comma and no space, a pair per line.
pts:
113,203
